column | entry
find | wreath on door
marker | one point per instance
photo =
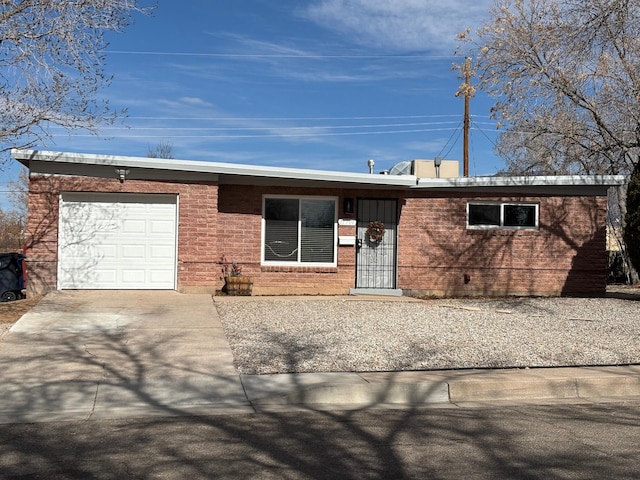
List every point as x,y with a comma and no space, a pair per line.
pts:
375,231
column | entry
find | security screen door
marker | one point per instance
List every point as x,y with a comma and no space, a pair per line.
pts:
376,258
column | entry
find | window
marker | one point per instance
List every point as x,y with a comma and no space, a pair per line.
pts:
502,215
299,230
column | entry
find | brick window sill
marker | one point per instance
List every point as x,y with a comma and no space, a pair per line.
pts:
296,269
503,232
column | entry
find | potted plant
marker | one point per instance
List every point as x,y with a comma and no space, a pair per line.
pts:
234,282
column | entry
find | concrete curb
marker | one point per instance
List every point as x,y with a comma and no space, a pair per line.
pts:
549,388
453,387
364,394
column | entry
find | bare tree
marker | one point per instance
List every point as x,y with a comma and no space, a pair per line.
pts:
566,77
52,66
13,221
19,193
162,150
11,231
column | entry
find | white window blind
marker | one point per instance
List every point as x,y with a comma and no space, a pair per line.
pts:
317,227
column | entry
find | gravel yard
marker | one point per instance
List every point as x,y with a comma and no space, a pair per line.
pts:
280,335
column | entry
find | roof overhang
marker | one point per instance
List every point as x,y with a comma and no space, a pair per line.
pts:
59,163
143,168
560,184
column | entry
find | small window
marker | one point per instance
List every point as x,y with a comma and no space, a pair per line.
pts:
502,215
488,214
520,215
299,230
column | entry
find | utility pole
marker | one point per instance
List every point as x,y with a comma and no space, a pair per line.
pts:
467,101
467,91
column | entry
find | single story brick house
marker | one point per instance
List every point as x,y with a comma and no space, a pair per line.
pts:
116,222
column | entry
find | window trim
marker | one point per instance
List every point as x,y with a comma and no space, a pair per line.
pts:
275,263
502,226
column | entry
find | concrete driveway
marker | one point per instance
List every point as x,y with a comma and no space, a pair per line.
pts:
78,351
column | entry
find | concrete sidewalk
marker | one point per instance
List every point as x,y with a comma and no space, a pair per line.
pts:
89,355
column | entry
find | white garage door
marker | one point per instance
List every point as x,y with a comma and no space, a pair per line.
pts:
119,241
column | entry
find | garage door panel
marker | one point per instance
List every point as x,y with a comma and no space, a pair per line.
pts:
117,241
105,276
133,276
84,215
74,277
160,276
162,226
79,251
102,252
134,252
159,251
134,226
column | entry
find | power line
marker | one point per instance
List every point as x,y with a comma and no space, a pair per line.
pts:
309,127
486,136
275,135
388,117
453,144
271,55
277,131
457,129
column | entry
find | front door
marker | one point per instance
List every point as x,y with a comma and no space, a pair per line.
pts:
376,243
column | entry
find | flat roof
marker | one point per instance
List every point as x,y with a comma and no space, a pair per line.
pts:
199,166
506,181
67,163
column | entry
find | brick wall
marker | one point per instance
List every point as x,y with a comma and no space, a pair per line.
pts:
439,256
197,227
240,219
566,255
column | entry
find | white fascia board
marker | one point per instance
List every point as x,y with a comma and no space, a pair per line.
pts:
522,181
24,156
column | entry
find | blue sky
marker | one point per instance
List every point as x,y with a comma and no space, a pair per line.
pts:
322,84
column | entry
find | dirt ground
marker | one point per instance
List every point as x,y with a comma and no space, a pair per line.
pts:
10,312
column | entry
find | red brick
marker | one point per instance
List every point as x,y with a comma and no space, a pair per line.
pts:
435,249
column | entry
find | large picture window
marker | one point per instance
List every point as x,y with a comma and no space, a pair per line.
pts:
299,230
502,215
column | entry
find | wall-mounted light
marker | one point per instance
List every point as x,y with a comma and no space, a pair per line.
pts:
347,206
122,174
